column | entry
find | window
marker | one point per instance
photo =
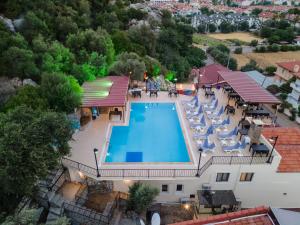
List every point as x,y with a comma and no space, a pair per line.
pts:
164,188
246,176
179,188
222,177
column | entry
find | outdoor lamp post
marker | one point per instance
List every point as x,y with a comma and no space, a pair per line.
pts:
274,140
175,80
200,151
95,154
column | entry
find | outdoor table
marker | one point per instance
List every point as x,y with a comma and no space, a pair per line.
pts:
242,132
230,109
233,95
259,148
173,92
239,103
255,113
153,92
115,113
209,93
227,88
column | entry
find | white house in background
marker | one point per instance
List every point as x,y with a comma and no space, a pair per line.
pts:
294,96
288,70
297,40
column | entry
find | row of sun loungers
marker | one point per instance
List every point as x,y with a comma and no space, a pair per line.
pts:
214,124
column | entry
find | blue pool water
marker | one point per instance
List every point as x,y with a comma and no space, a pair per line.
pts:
153,135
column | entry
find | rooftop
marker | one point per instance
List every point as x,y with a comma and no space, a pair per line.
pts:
108,91
288,146
255,216
210,73
247,88
291,66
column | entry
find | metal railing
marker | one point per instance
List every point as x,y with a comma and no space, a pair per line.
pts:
83,214
165,173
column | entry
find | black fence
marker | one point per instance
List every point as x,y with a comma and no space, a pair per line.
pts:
166,173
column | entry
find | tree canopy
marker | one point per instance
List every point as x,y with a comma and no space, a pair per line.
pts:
31,142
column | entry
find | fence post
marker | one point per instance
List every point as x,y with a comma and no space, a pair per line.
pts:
148,172
123,172
230,160
174,173
251,160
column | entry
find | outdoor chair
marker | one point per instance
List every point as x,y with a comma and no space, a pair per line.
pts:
214,114
201,123
208,132
228,134
190,114
206,146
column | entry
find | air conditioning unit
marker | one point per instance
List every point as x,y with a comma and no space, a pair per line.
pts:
206,187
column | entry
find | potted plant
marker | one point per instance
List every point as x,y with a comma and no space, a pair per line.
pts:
141,196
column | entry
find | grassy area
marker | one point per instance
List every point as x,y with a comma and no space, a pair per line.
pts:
241,36
202,40
266,59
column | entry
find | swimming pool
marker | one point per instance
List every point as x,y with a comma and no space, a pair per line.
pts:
153,135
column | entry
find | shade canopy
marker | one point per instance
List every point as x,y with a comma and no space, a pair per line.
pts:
109,91
247,88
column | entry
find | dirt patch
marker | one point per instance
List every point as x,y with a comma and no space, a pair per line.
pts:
241,59
175,213
266,59
98,201
242,36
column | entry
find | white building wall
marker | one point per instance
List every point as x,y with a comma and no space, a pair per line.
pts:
268,187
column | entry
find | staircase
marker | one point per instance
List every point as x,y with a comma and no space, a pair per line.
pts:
56,209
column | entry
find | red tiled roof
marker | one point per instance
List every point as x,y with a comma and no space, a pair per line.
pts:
210,73
255,216
288,146
247,88
109,91
291,66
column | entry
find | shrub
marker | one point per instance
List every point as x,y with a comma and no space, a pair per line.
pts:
140,197
253,43
270,70
238,50
299,110
283,96
274,89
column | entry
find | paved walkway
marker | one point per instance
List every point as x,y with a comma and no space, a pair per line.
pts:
282,119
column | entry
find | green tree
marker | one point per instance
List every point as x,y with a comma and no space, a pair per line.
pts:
196,57
121,42
65,26
58,59
17,62
244,26
31,142
62,92
212,28
29,96
85,42
256,11
33,26
140,197
129,64
31,217
225,27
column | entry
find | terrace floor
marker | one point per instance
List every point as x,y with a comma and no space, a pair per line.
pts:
96,135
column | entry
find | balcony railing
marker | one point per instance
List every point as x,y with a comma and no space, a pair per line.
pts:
165,173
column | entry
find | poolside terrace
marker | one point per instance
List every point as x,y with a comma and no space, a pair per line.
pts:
96,134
